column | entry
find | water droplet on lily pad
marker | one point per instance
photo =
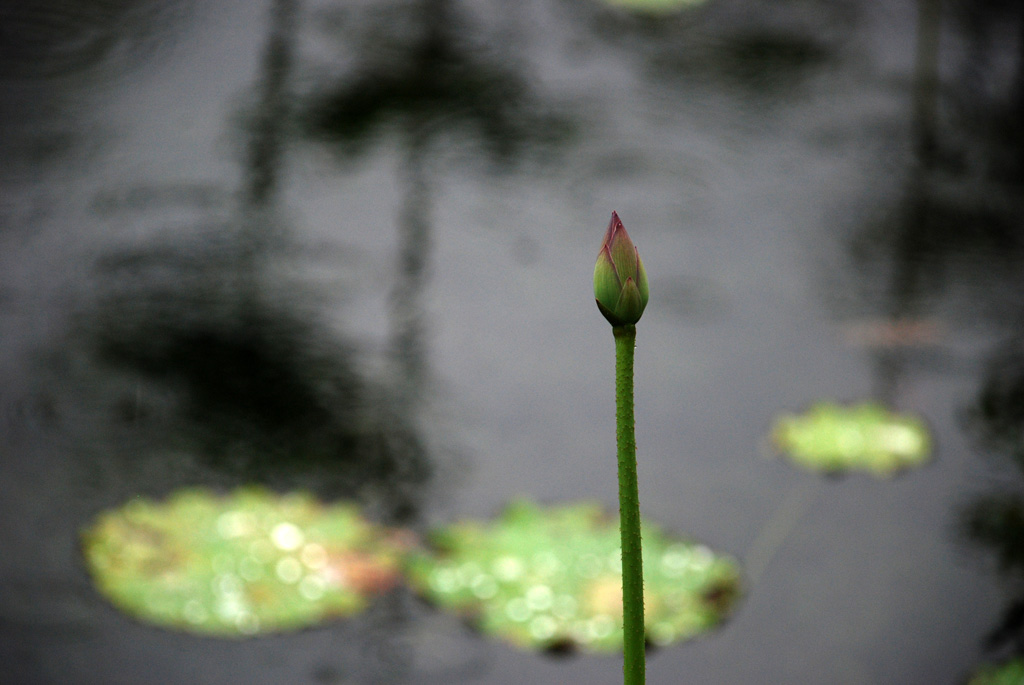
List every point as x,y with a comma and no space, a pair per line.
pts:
832,438
243,564
550,581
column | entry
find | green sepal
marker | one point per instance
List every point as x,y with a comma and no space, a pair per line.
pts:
607,285
631,304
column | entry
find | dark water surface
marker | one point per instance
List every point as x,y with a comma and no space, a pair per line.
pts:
348,247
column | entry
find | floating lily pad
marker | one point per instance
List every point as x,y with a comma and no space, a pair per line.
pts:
238,565
864,437
1009,673
655,6
550,578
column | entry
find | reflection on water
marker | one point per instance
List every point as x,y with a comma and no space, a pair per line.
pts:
165,318
272,113
52,38
432,84
991,90
945,223
732,48
187,360
970,202
256,387
994,521
427,73
251,379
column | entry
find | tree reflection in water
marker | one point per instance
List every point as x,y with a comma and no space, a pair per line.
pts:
994,522
249,379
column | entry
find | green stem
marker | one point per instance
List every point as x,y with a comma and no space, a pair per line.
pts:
633,666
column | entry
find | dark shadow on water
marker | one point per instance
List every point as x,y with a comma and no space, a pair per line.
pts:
427,78
428,69
57,38
246,378
761,50
964,224
178,372
242,372
993,523
950,226
186,361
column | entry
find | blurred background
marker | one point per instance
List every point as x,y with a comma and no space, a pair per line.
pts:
347,246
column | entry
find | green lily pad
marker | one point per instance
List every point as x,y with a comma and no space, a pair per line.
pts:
655,6
1009,673
238,565
550,578
865,437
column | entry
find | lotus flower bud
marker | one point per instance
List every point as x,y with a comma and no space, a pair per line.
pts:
620,282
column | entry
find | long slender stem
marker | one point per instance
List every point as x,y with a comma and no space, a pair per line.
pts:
633,666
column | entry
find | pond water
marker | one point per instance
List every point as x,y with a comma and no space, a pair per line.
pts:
348,247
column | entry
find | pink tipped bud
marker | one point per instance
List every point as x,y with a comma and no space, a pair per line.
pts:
620,282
